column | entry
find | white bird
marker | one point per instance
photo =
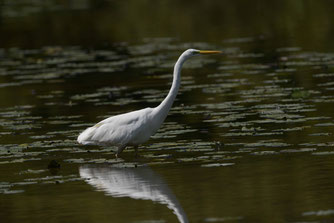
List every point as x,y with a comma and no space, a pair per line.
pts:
135,128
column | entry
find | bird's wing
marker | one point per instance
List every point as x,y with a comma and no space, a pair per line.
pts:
117,130
122,119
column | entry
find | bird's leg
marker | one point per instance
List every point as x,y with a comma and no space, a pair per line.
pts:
119,150
136,151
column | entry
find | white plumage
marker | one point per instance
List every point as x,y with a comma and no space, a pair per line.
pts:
135,128
131,128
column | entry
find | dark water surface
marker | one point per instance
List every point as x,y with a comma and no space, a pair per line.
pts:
249,138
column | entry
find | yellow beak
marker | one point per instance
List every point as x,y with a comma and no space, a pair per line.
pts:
209,51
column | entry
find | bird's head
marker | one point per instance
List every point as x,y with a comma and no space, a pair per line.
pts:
194,52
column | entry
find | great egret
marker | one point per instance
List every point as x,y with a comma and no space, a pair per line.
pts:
135,128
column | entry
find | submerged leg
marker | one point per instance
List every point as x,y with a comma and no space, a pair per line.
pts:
136,151
119,150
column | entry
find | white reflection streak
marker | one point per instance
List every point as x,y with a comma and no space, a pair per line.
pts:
137,183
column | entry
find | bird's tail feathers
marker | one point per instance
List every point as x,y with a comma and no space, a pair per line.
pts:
85,137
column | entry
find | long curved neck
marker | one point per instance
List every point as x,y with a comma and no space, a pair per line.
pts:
167,103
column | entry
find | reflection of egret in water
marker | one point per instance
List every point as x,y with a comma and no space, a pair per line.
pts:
137,183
